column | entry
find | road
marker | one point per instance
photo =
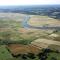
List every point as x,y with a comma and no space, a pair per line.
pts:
26,25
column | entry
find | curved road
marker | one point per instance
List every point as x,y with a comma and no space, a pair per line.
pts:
26,25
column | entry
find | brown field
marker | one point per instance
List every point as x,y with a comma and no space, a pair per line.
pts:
22,49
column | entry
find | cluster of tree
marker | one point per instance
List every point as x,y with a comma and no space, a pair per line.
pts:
50,10
6,42
41,56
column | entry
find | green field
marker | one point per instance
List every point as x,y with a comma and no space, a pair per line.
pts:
53,56
4,53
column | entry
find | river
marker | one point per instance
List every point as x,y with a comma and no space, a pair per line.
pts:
26,25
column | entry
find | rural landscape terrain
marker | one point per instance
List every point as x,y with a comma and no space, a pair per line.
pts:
30,33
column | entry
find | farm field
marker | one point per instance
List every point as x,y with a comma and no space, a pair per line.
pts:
45,43
43,21
19,42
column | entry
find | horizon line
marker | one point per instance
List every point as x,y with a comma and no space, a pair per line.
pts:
30,5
